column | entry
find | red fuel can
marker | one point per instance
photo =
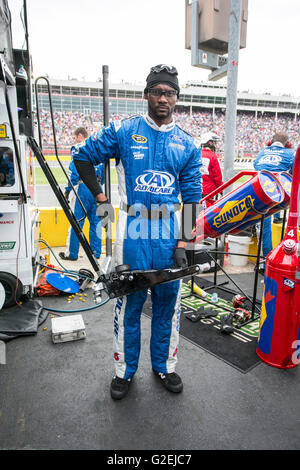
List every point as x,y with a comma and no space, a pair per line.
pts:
279,332
278,325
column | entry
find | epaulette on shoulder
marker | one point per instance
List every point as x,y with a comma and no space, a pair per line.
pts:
186,132
196,140
117,123
134,116
130,117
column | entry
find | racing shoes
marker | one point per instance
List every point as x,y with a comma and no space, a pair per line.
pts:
119,388
171,382
64,257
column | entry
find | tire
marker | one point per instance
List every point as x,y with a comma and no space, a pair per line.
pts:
9,282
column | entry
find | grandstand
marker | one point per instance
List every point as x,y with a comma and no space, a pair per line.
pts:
201,108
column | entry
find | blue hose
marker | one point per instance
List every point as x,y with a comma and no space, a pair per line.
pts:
79,310
73,273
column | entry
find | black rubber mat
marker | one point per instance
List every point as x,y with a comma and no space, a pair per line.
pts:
21,320
201,323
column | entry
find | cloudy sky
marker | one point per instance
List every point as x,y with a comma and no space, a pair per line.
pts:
72,38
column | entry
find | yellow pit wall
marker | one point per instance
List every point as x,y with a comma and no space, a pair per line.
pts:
54,226
276,239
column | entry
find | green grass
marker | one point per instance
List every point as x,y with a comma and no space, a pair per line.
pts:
61,179
243,179
40,178
60,176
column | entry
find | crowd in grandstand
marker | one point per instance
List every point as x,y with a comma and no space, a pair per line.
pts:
252,133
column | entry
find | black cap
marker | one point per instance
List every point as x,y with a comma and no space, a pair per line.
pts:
162,73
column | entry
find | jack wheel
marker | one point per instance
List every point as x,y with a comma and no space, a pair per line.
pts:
87,273
13,289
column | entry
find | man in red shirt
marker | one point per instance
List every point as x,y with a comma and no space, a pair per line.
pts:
211,171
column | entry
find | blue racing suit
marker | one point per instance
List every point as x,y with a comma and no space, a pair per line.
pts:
154,164
274,158
90,205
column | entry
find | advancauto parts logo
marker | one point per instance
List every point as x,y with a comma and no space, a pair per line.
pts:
140,139
271,159
157,182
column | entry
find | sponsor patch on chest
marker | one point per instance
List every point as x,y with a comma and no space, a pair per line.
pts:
153,181
138,155
140,139
176,145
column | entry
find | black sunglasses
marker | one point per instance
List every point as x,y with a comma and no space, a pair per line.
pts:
157,92
169,68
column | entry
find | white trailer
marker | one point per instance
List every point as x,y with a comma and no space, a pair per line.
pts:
19,215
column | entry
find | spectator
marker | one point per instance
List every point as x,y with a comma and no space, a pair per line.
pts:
251,132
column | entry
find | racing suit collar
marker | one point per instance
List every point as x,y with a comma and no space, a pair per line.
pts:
163,128
278,144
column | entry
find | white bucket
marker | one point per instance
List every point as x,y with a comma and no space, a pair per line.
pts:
238,244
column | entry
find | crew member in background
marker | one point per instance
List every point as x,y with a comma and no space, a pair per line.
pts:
155,161
89,203
277,156
212,177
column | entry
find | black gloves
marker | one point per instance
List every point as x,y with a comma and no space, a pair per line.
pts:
105,212
180,258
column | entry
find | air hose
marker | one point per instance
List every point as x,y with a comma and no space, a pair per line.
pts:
71,273
78,310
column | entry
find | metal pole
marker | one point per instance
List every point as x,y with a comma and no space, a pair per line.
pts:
29,89
232,78
105,73
195,33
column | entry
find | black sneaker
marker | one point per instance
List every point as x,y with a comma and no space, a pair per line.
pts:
171,381
119,388
63,256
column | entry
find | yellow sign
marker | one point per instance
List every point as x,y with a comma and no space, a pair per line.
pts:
263,315
233,211
3,134
270,186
